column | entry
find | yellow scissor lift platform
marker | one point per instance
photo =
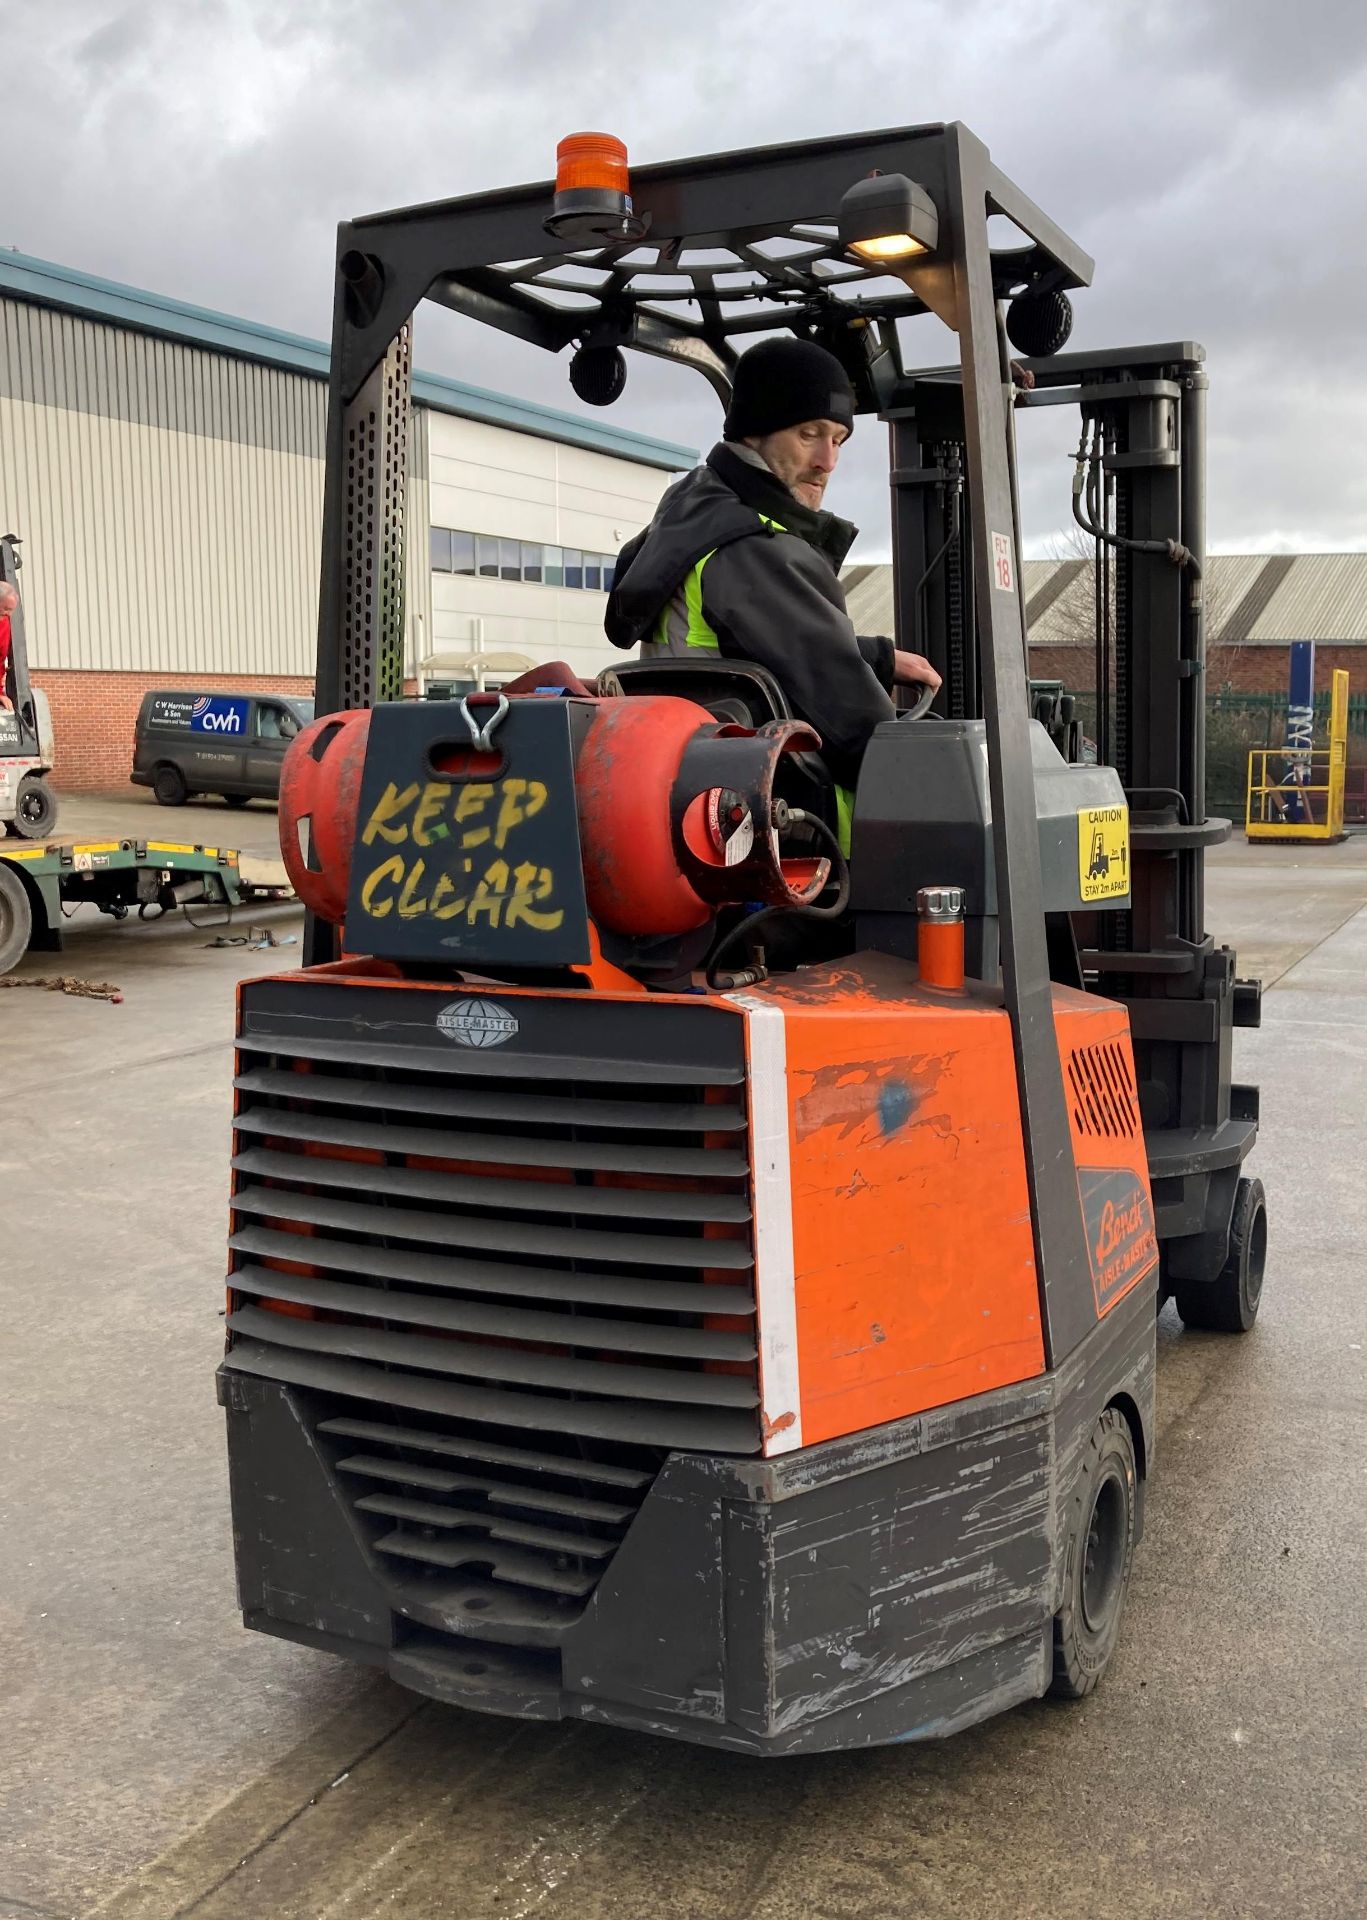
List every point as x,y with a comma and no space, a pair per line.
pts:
1296,793
39,885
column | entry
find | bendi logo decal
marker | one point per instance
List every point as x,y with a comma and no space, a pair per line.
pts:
1121,1239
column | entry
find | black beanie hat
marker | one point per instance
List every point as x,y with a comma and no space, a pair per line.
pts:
781,383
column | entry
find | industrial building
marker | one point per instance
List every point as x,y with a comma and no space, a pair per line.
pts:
163,466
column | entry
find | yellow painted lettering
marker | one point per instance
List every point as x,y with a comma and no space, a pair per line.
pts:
434,796
521,800
410,907
384,819
446,903
390,870
471,803
511,812
532,883
490,894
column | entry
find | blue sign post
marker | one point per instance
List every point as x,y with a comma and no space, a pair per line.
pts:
1300,727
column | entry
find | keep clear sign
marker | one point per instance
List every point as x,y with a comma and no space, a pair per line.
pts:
1103,853
469,857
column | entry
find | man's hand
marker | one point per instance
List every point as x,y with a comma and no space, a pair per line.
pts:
913,669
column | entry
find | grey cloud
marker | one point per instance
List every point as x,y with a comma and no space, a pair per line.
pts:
1209,155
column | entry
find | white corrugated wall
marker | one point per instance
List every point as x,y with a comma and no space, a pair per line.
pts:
169,500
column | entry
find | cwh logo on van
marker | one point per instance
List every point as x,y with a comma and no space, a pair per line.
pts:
209,716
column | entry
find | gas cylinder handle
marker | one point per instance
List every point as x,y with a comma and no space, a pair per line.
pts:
482,737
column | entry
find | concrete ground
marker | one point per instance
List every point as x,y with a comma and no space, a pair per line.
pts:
157,1761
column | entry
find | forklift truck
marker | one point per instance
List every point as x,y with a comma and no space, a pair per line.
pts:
680,1278
28,806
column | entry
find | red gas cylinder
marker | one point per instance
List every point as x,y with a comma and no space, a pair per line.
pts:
623,780
320,801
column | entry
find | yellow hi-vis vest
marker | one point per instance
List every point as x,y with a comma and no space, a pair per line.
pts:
704,637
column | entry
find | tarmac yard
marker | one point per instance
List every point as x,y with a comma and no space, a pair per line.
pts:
156,1760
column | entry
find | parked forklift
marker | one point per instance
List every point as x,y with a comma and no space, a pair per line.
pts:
28,806
679,1277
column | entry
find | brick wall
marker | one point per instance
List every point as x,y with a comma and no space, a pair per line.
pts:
94,716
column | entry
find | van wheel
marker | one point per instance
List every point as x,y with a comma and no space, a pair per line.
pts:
1100,1548
237,799
16,918
35,808
168,784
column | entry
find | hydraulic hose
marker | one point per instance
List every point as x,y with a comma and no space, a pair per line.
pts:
1086,461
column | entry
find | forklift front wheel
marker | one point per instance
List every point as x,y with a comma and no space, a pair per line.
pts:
1100,1548
1230,1303
16,918
168,784
35,808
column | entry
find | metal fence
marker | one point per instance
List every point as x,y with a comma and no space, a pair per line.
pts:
1238,724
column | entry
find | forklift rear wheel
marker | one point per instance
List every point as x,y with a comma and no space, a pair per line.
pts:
168,784
16,918
35,808
1230,1303
1100,1548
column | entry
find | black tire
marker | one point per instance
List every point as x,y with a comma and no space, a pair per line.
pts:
168,784
16,918
1229,1304
1100,1549
35,808
238,799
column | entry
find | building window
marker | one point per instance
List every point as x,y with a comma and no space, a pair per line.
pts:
493,558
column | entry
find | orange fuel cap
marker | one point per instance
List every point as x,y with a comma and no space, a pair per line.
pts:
940,937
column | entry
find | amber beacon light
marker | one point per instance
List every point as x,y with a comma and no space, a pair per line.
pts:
593,190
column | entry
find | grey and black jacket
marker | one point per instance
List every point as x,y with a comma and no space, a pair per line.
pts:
734,564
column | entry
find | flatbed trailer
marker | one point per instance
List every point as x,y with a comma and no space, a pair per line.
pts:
39,886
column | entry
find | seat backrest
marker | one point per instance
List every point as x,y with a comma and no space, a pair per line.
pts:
732,690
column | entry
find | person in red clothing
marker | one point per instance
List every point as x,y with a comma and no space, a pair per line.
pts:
9,604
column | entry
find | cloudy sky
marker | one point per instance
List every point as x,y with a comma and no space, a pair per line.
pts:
1210,154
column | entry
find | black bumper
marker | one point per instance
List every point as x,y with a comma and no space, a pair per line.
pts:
895,1585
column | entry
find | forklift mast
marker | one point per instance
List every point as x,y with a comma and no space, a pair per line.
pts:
1140,499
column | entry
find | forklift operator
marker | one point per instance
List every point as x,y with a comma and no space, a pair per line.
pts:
742,560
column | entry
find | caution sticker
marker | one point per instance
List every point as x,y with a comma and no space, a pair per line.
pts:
1103,853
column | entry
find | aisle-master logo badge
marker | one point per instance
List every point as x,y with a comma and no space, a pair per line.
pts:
477,1023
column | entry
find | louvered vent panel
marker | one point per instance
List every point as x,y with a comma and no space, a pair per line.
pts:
507,1291
1101,1091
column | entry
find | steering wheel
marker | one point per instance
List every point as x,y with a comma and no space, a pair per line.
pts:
922,705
